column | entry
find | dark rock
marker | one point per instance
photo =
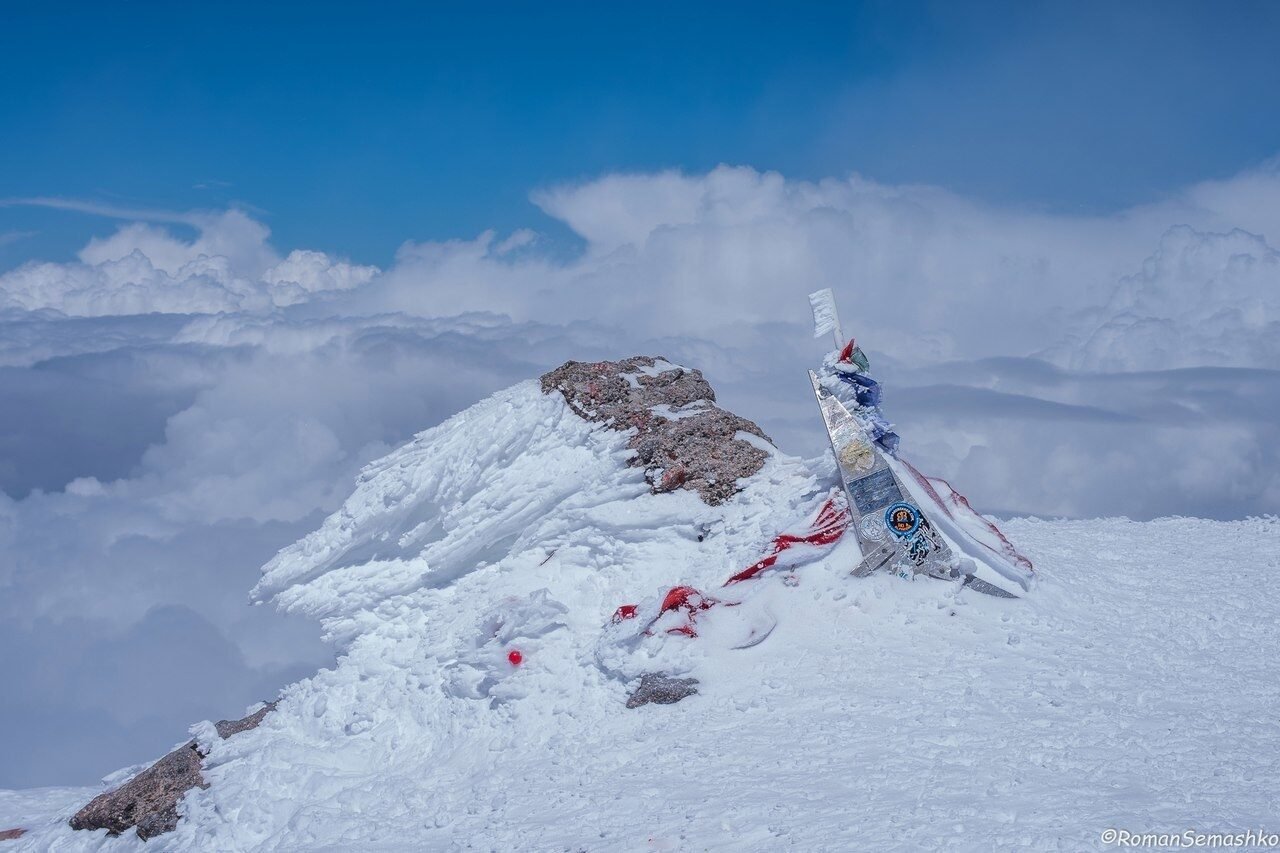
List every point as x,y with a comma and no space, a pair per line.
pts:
689,444
227,728
661,689
149,801
11,834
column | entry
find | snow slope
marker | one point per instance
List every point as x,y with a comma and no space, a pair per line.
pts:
1135,687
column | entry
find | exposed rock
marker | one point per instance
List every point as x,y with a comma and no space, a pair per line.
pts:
683,440
149,801
11,834
227,728
661,689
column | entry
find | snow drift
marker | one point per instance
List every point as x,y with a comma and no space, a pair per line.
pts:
478,702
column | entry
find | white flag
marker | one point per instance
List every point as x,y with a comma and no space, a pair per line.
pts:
825,319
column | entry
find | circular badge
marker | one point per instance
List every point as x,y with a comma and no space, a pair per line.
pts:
872,528
857,456
902,519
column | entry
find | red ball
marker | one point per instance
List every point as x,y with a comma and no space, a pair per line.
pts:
515,657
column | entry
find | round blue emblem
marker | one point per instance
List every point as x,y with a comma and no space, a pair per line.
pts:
902,519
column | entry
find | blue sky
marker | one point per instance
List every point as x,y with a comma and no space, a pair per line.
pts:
350,129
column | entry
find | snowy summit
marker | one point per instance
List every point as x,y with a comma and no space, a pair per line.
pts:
599,612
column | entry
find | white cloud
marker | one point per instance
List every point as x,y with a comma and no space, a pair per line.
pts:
305,273
231,235
1201,299
921,273
617,210
143,268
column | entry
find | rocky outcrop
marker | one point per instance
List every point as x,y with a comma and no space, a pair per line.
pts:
149,801
227,728
682,439
12,834
661,689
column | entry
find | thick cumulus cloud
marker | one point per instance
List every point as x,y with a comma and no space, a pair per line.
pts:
928,274
1201,299
143,269
183,399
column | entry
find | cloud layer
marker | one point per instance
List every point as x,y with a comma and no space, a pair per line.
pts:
183,398
144,269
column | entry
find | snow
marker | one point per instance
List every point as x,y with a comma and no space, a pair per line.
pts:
18,807
1134,687
671,413
660,365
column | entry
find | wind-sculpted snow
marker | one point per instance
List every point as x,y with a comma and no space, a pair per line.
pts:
516,480
1134,688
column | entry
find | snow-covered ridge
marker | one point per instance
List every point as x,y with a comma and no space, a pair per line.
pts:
879,714
522,477
508,474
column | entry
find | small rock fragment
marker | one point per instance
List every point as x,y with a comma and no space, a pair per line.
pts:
227,728
661,689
